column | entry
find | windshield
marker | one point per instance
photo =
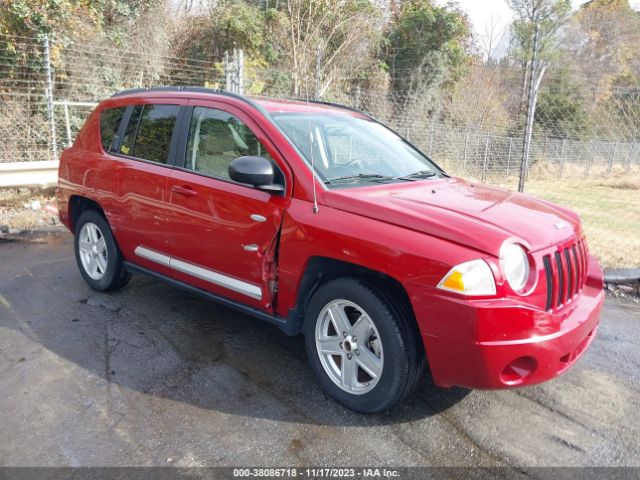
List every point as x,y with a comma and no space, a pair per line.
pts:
350,151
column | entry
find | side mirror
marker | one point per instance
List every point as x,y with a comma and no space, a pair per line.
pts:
255,171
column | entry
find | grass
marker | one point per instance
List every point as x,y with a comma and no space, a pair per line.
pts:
610,213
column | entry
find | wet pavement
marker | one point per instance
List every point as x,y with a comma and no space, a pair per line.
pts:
151,375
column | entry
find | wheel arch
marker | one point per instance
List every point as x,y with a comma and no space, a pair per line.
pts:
78,205
320,269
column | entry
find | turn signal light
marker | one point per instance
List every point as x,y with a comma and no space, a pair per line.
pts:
470,278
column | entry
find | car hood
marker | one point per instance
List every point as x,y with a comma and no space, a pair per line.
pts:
474,215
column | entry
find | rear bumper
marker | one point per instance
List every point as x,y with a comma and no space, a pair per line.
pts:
62,199
553,345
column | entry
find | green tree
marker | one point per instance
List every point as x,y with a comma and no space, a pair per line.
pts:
67,19
24,23
561,109
428,45
227,25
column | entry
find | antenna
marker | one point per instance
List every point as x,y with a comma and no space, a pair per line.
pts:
313,167
311,142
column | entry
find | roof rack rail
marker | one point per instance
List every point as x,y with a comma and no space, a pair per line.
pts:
171,88
128,91
197,89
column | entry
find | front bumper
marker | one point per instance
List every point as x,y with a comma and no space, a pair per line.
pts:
551,344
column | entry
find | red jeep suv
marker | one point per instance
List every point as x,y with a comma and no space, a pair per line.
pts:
322,221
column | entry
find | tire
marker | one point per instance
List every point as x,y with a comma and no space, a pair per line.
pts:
389,359
97,254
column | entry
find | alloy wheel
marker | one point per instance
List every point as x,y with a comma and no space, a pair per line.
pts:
349,346
93,251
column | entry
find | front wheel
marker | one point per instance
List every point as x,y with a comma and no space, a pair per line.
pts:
97,254
363,345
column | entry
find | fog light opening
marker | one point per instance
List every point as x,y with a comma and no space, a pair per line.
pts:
566,358
518,370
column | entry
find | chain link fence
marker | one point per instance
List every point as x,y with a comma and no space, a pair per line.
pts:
584,154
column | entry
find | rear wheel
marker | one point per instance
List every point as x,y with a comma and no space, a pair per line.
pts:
362,344
97,254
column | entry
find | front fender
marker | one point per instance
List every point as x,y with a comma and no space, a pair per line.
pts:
411,258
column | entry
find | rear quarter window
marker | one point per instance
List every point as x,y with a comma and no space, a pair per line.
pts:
110,119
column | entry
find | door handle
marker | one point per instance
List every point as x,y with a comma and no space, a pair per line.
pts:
186,191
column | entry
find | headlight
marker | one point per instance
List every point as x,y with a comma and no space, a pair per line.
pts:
514,263
470,278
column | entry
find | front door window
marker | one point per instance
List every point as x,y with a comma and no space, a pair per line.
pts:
216,138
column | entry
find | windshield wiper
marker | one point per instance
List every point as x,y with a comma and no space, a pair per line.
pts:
360,176
418,175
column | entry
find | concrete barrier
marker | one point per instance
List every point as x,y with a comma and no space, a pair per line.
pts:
29,174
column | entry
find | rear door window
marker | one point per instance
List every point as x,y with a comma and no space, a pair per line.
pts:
129,138
148,135
110,119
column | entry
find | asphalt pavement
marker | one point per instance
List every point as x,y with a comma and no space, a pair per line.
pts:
153,376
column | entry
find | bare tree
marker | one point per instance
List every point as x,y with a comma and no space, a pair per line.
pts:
342,32
547,17
490,41
478,100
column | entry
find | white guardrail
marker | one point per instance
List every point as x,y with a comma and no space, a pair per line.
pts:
29,174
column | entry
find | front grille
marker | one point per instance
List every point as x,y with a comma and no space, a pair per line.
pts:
549,276
566,274
569,264
560,277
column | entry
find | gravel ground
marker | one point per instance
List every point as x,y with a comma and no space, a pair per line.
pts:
151,376
27,208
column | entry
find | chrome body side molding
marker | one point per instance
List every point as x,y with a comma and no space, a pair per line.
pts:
152,255
211,276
